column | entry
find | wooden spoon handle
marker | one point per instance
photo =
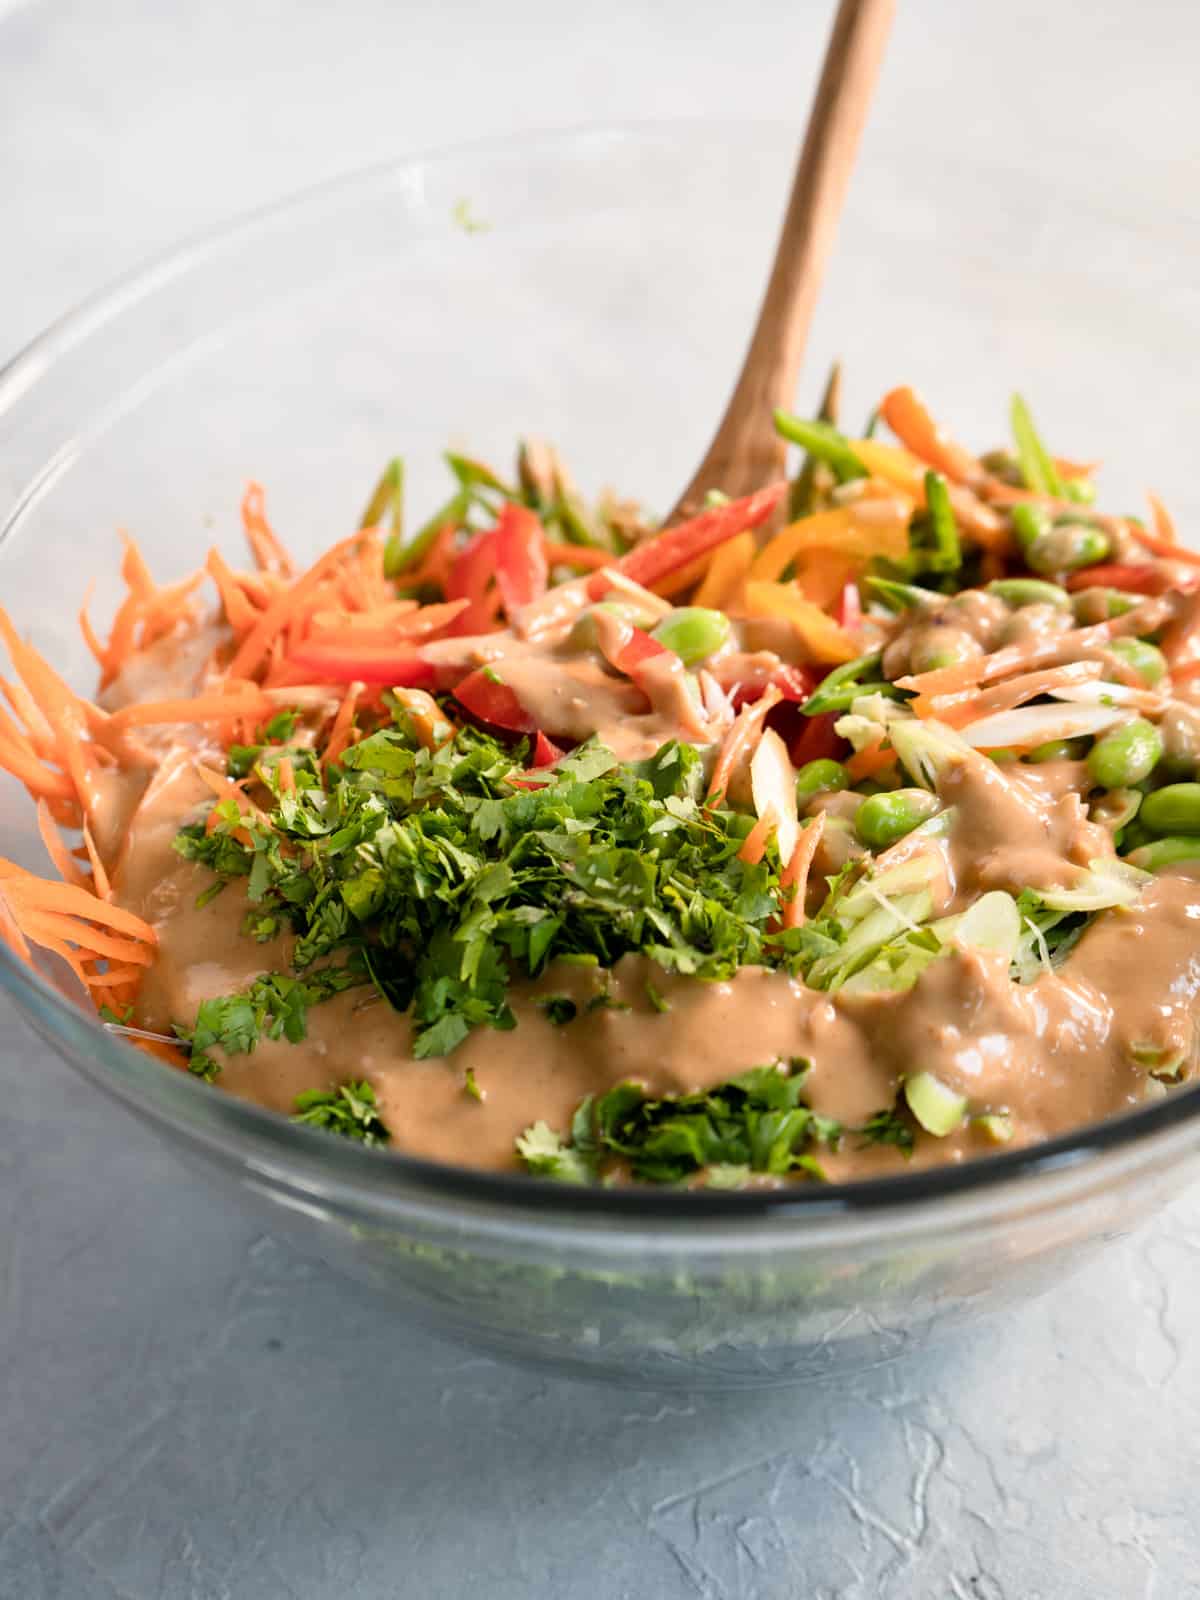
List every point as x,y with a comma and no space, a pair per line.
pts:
746,453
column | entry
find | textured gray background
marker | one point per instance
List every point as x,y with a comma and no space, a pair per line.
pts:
187,1410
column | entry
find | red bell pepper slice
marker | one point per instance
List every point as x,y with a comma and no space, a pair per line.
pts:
521,568
545,752
488,697
817,741
396,665
1133,578
679,546
470,578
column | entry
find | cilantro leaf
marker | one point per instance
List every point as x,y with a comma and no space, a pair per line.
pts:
349,1110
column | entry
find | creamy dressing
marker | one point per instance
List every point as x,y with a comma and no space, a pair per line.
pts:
1052,1054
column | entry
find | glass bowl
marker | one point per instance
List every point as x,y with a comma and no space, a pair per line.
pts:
596,288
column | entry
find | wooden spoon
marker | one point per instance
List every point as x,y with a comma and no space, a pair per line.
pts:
746,452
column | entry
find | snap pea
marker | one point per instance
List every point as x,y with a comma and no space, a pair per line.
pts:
398,557
820,777
1029,522
904,596
1037,466
1165,853
693,632
1174,809
1059,750
824,443
1146,659
1126,756
946,555
1067,547
845,683
884,818
1030,592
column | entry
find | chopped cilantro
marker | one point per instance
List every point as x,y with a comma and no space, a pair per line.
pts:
350,1110
892,1127
559,1008
274,1007
452,882
756,1122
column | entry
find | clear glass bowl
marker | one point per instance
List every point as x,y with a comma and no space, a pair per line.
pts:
601,295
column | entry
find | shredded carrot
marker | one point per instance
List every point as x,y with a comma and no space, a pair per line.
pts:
95,940
906,415
966,705
1061,647
754,845
12,935
68,869
240,613
288,607
740,740
584,556
66,899
61,708
260,536
100,880
287,775
795,875
873,759
1163,541
242,700
39,734
343,725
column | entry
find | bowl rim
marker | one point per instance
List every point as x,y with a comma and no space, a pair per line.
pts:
160,1096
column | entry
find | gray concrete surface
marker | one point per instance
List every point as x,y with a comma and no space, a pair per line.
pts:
190,1412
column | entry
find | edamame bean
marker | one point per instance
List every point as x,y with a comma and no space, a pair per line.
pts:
981,615
1038,621
1018,592
1066,547
884,818
819,777
1116,808
1165,853
1059,750
1175,809
583,634
1180,728
1029,522
1146,659
1126,756
693,632
1098,605
935,646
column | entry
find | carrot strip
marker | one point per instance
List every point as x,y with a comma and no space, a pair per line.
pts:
103,887
286,608
11,934
583,556
219,706
287,775
38,733
39,780
66,899
1164,541
867,762
795,875
1061,647
754,846
112,976
966,705
88,938
239,612
265,546
343,724
906,415
739,741
68,868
